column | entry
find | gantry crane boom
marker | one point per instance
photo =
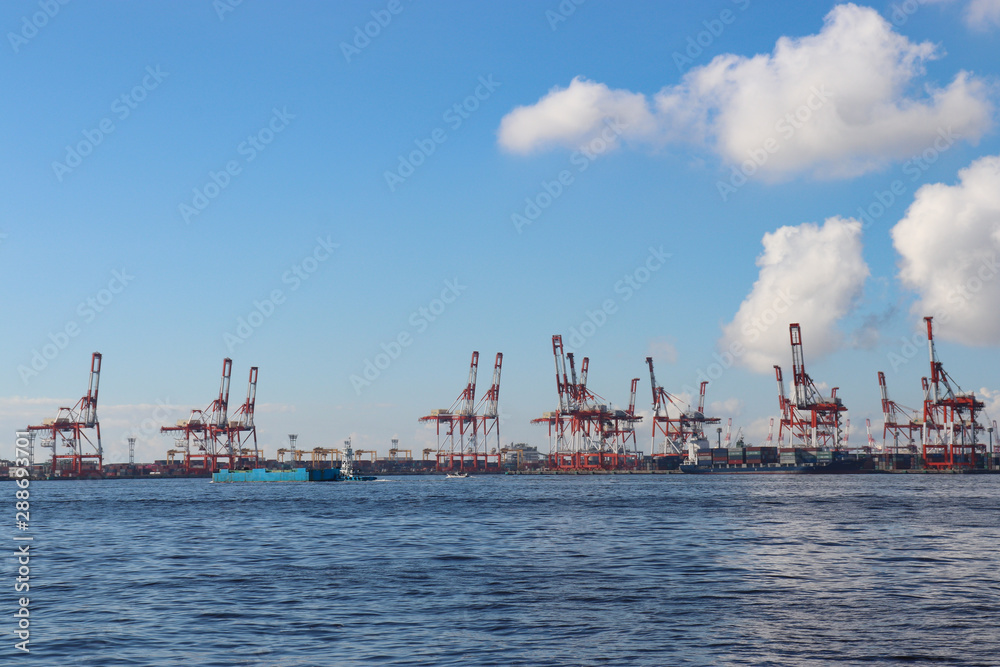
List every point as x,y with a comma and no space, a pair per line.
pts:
574,382
782,400
88,404
805,391
561,380
246,410
584,372
467,401
492,396
220,408
652,384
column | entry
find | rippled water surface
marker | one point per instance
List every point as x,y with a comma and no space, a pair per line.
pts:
617,570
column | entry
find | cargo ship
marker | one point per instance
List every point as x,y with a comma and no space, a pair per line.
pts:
771,460
833,468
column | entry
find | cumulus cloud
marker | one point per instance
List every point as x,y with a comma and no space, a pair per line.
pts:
809,274
992,400
837,104
573,116
983,14
949,242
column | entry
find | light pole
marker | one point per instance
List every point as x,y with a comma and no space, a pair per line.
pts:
992,453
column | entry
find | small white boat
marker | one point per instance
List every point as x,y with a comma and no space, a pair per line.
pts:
457,475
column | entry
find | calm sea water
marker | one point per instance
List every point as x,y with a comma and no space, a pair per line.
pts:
620,570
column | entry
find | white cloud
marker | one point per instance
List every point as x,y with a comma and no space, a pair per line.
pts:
731,407
662,350
809,274
834,104
756,431
992,400
685,401
33,410
573,116
949,241
983,14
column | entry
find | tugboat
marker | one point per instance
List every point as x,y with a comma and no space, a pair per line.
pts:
347,473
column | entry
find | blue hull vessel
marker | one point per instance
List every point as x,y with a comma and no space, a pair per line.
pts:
296,475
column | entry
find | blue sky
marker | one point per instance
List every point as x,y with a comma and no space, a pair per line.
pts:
308,119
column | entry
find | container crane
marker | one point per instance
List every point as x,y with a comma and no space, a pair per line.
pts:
808,416
69,428
687,430
585,432
950,426
898,420
460,443
205,436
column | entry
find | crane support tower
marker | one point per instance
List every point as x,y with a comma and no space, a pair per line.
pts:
808,416
585,432
463,434
74,453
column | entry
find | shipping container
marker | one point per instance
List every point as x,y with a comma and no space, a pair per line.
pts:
806,454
